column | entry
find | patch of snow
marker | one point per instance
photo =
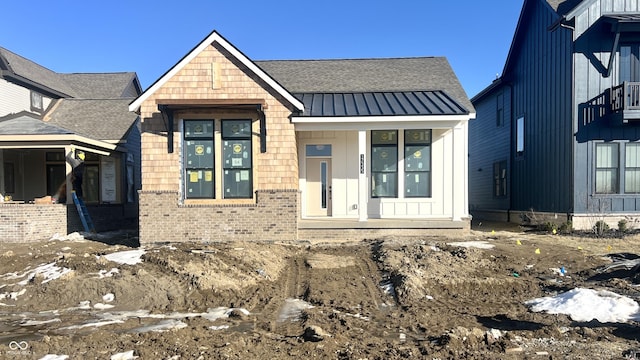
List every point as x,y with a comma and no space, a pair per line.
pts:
587,304
93,324
109,297
292,308
164,325
84,305
387,288
12,295
101,306
75,236
48,271
129,257
41,322
127,355
104,273
221,327
474,244
54,357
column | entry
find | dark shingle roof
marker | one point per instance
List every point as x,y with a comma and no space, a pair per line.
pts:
368,75
27,124
27,69
103,119
81,85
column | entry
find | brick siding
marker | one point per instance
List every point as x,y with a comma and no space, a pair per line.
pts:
272,218
34,222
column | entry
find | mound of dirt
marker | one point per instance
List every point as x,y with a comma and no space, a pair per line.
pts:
380,299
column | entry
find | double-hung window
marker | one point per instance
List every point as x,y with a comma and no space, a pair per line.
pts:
384,163
417,163
607,168
632,168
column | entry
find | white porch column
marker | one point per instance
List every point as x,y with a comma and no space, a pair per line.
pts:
363,184
458,174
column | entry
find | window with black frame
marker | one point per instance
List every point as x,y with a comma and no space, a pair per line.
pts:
417,163
237,180
198,150
384,163
500,178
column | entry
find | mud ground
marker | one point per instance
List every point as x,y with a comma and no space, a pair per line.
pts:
391,298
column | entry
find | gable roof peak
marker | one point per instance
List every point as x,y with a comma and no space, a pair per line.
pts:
215,37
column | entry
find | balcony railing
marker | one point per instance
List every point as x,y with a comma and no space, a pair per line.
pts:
625,96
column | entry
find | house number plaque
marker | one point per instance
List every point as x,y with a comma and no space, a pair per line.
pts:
361,163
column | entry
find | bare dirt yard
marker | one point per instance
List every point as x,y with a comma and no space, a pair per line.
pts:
390,298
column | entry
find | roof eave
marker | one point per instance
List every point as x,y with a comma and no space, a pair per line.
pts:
374,118
21,80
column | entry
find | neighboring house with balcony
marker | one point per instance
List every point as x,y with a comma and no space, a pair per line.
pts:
43,115
236,149
557,133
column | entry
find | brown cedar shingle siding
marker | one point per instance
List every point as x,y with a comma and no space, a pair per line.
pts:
275,169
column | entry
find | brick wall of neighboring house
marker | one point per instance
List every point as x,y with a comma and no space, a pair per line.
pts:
29,223
273,217
275,171
35,222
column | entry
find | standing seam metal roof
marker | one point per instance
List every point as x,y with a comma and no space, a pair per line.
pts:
379,104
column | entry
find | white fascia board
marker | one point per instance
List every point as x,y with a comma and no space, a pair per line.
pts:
387,125
40,139
215,37
377,119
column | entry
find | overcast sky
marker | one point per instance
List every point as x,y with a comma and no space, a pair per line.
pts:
149,37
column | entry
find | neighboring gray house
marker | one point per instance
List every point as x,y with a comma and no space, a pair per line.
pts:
43,115
557,133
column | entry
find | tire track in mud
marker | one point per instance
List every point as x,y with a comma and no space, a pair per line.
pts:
290,285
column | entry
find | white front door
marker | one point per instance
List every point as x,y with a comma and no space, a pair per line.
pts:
318,187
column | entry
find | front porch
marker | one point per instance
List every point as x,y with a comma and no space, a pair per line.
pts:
344,230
